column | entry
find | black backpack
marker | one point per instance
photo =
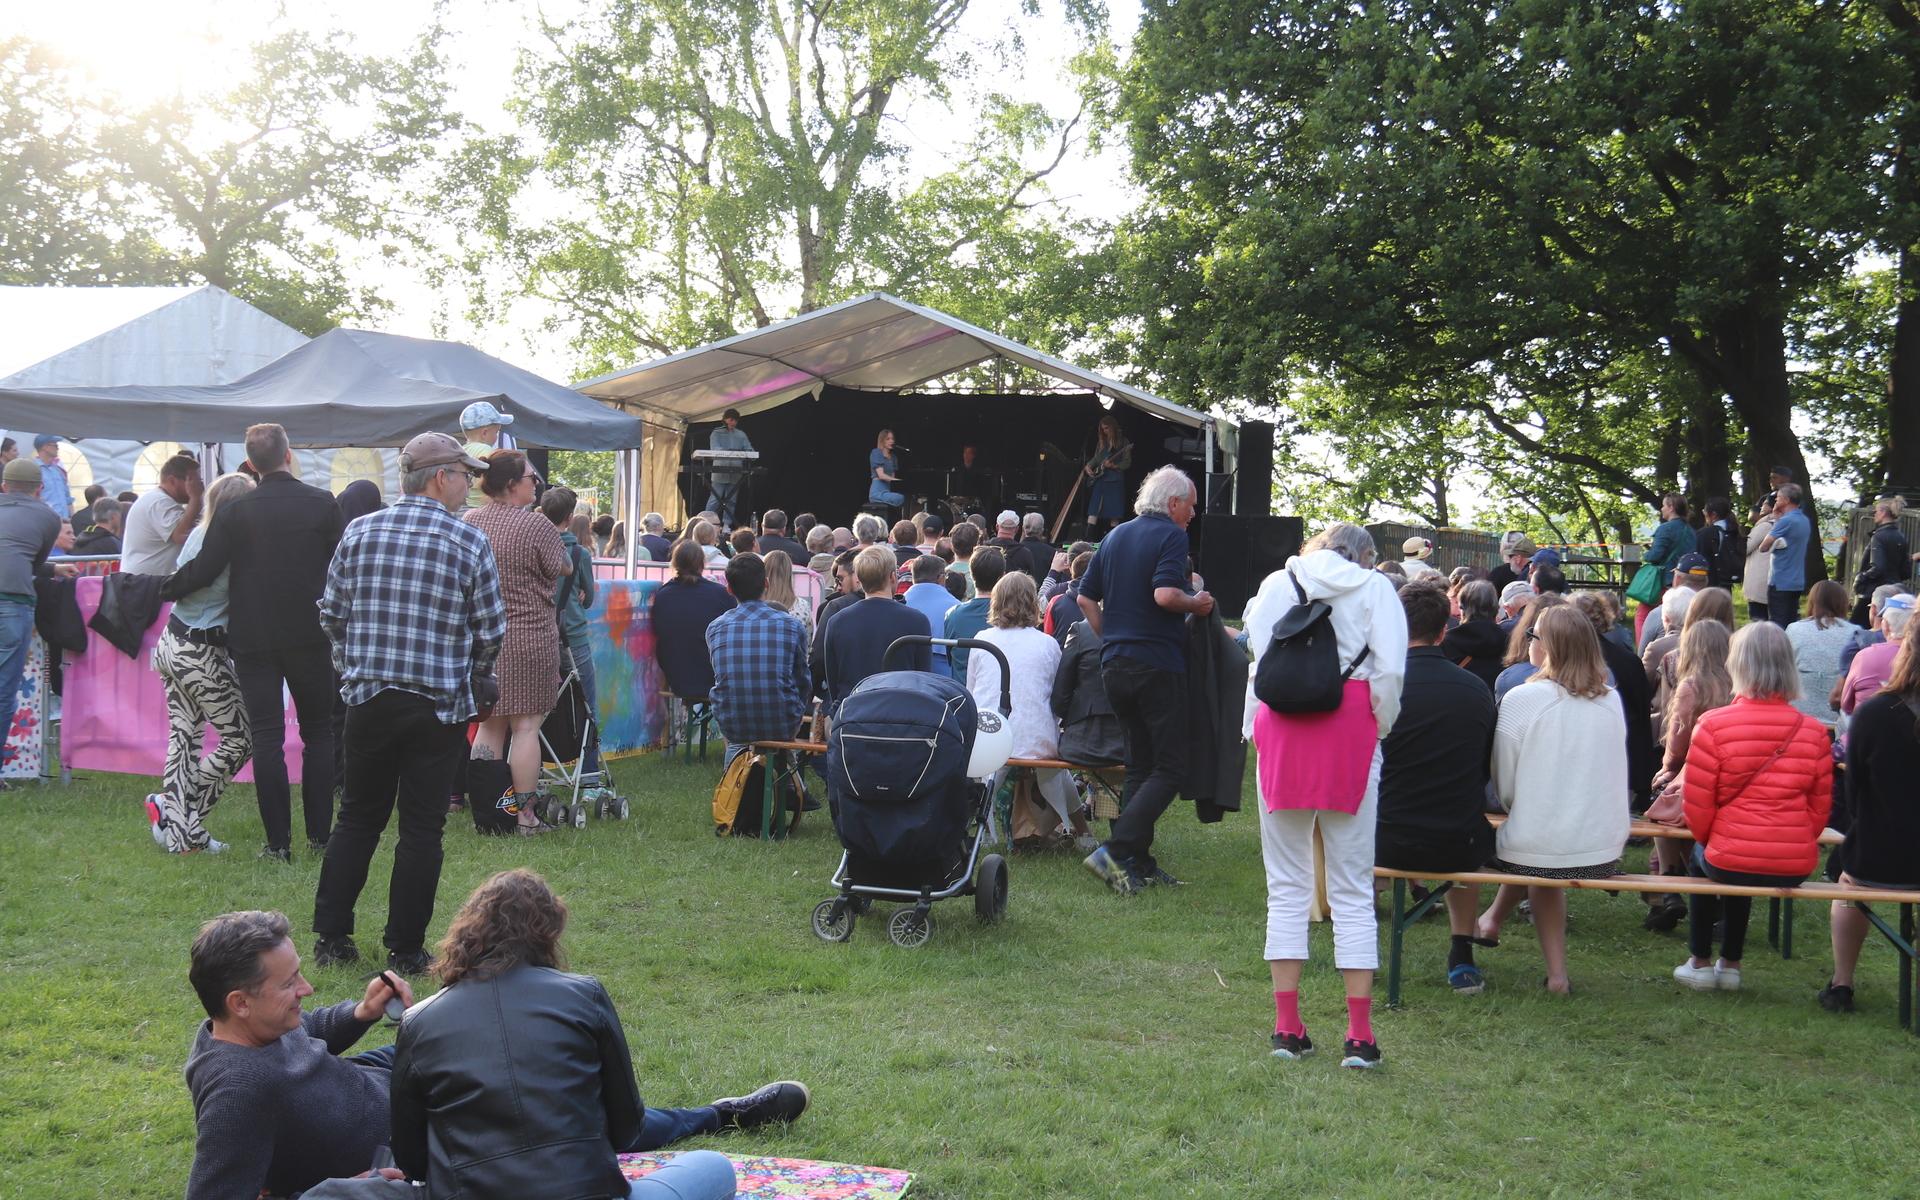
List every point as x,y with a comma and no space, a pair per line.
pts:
1728,555
1300,671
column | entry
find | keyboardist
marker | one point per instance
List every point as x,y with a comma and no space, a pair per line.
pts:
725,485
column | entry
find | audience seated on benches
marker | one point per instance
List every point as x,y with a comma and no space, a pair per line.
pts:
681,610
1882,849
1704,687
278,1105
515,1080
1433,774
1560,771
968,619
1759,784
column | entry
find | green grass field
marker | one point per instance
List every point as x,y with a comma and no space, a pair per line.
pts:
1089,1047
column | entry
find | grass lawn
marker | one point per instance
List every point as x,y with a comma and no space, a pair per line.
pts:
1090,1047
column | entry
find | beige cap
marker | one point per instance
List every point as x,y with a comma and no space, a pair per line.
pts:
1417,547
435,450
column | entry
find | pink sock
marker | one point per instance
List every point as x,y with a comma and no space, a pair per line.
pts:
1286,1013
1360,1018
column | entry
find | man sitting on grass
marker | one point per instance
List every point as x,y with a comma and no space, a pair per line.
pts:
277,1106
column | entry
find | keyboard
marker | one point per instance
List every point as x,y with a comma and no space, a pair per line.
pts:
743,454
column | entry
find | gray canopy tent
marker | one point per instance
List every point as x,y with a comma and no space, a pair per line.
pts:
348,387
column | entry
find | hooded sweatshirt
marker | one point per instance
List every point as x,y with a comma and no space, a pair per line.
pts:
1366,614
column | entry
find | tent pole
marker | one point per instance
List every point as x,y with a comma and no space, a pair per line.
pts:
1207,487
631,461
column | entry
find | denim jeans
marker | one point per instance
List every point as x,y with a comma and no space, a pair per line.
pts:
693,1175
582,653
397,751
1152,707
664,1126
1783,608
16,638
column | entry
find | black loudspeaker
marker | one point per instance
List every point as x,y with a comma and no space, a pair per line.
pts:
1253,489
1219,493
1235,554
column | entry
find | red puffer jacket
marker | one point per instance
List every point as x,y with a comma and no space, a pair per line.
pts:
1752,815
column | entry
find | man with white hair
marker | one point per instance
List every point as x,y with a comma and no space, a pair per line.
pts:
868,530
1513,599
1136,595
1871,667
1007,537
654,537
1033,540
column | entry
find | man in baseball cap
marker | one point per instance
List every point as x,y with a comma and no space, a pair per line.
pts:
1691,570
54,491
1414,553
406,569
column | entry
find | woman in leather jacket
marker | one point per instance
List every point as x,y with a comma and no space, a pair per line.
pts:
515,1081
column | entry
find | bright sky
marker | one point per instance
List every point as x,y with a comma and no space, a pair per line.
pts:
147,49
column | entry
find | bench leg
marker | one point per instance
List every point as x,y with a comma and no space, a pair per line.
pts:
1395,939
1786,928
768,774
1773,922
1902,940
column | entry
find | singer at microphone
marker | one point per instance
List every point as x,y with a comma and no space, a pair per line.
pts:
883,472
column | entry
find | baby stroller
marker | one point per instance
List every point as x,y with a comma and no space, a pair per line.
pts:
563,742
909,763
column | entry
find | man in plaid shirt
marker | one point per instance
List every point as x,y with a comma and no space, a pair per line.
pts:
412,607
759,652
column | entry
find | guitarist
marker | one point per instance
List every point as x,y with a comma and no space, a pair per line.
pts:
1106,472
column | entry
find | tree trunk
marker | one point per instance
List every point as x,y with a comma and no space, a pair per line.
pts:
1754,345
1903,385
1440,514
1709,469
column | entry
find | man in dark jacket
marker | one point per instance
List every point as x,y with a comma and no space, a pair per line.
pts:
773,536
103,534
858,636
1033,542
278,540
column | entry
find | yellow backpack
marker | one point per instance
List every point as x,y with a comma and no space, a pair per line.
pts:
741,792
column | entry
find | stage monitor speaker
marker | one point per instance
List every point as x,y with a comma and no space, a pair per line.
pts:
1235,554
1253,468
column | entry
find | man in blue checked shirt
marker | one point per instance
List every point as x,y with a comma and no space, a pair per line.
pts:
413,610
760,673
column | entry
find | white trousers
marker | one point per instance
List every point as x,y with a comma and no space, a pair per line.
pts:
1286,846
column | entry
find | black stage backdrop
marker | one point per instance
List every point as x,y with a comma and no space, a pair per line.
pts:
815,450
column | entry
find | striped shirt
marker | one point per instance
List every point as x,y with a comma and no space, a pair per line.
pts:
413,603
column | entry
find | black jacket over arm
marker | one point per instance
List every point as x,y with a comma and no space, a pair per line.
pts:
278,539
515,1086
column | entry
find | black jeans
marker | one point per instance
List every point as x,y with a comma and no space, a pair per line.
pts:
1783,608
395,746
1703,911
307,672
1152,707
1757,610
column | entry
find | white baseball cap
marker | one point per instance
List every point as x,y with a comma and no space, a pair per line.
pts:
1007,517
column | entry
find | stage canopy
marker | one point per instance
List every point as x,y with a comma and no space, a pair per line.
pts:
344,388
874,342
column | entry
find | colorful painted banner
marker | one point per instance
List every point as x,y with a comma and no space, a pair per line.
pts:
633,713
23,756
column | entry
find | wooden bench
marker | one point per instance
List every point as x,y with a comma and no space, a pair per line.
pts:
1902,938
779,771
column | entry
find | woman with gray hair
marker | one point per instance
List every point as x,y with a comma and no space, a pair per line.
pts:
1888,558
1322,770
1758,787
202,689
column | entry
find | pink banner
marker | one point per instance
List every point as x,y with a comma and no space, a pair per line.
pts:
114,708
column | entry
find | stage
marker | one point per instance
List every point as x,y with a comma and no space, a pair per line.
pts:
813,450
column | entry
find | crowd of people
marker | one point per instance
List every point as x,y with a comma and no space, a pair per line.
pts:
1447,698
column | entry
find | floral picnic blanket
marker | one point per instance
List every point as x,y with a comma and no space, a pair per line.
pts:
792,1178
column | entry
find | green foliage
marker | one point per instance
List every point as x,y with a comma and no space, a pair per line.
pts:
585,471
724,163
1088,1047
264,189
1581,228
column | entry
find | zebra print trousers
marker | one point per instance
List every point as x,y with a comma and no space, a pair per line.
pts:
202,690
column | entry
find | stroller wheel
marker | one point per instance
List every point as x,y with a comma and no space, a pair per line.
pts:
990,889
910,928
579,816
621,809
833,921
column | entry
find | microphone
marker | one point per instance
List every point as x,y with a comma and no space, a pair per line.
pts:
898,449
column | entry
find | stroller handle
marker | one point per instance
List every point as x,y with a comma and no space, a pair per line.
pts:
1006,672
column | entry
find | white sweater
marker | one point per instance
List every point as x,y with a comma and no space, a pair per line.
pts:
1366,614
1560,771
1034,657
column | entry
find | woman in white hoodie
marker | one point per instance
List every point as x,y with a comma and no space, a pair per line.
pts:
1560,771
1323,769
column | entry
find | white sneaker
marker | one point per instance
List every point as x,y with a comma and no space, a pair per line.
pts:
156,822
1701,979
214,846
1727,978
